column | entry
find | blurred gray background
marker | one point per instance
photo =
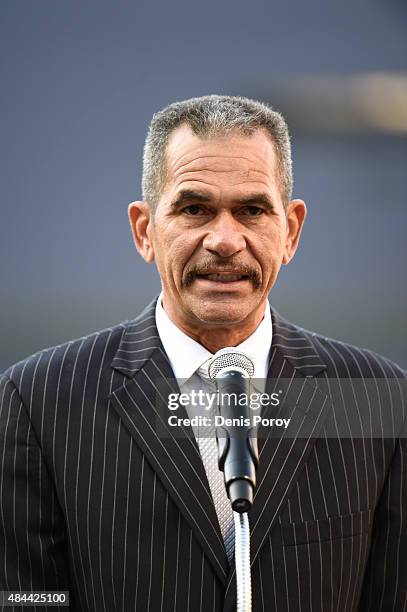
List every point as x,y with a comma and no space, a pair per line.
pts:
79,83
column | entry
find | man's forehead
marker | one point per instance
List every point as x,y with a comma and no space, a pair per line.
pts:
188,152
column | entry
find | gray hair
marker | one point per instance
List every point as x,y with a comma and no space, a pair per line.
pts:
213,116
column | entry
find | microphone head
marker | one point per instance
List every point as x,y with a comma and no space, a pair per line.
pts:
228,359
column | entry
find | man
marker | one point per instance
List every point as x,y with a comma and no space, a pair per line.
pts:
99,500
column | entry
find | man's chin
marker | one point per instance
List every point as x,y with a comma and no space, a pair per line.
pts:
224,310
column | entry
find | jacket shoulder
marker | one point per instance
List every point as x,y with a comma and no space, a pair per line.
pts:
347,360
59,363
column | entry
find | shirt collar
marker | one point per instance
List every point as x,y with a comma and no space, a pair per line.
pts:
186,355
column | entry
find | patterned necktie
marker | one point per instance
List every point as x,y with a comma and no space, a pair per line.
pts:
206,440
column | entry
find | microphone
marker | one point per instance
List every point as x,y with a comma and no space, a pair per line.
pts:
237,442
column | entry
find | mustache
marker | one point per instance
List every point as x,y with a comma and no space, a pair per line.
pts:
205,267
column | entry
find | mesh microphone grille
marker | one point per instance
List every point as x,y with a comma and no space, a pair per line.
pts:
227,358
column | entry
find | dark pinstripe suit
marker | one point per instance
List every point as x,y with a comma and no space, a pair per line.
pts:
93,501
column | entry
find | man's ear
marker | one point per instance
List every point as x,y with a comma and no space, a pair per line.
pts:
295,213
140,217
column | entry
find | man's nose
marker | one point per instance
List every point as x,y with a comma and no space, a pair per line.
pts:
224,237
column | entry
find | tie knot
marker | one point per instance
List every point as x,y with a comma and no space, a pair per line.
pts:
203,370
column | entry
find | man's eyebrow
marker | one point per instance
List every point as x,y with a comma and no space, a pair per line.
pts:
256,198
190,196
187,196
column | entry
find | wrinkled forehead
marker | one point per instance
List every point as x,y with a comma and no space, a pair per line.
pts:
189,155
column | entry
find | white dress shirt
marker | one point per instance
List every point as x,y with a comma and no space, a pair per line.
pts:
186,357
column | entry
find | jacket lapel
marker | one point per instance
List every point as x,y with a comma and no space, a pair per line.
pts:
142,405
283,452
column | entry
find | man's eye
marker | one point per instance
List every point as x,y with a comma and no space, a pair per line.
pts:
253,211
192,210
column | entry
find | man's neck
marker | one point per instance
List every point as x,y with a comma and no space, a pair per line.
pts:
213,338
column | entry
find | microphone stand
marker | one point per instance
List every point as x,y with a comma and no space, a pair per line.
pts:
237,457
242,562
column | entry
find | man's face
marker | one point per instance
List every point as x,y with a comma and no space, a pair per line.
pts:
220,232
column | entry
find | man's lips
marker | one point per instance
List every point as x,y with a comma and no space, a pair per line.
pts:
223,277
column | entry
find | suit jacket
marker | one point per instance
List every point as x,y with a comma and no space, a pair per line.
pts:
95,500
